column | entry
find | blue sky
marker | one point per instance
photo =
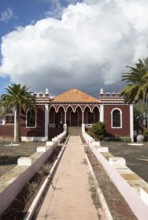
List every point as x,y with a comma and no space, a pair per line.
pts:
15,13
63,44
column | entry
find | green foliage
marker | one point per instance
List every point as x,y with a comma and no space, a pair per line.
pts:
17,97
136,79
118,138
145,133
139,107
97,131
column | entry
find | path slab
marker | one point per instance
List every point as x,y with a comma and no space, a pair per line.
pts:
69,197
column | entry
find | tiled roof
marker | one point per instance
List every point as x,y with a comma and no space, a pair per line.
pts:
74,95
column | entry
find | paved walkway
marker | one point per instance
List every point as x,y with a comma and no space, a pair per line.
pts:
70,196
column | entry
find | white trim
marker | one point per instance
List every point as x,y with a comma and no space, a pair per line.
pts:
102,113
112,117
131,123
69,106
86,108
96,106
2,121
52,106
65,116
78,106
29,139
46,121
82,117
15,124
60,107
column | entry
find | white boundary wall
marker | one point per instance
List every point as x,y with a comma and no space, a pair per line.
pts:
138,202
20,175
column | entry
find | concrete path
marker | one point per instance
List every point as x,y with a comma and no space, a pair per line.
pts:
70,196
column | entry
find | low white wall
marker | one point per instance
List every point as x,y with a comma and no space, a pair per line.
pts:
137,204
17,183
29,166
29,139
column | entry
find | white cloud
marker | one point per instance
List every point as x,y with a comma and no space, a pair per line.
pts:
6,15
56,9
87,48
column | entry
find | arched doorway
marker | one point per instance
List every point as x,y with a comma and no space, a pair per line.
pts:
90,117
96,114
57,118
74,118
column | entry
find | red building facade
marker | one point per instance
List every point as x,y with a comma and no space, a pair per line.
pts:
72,108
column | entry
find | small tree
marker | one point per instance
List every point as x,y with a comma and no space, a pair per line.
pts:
146,134
18,97
97,131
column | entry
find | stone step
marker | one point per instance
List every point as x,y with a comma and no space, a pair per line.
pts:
74,131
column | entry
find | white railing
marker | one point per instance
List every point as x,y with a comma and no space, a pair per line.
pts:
135,196
25,170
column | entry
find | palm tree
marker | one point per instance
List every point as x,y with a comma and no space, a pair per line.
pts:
137,79
18,97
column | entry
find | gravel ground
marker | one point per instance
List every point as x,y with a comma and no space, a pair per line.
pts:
10,154
136,156
117,205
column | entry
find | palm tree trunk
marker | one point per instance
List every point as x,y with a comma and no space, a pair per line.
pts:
17,126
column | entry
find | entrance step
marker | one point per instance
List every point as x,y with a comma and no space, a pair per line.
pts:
74,131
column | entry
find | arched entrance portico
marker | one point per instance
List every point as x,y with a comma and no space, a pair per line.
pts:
74,114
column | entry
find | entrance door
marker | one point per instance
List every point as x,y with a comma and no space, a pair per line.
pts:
90,117
57,118
74,118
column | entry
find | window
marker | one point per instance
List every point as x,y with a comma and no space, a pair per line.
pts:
9,119
1,120
31,118
116,118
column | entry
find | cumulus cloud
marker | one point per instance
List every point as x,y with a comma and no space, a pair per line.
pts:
6,15
87,48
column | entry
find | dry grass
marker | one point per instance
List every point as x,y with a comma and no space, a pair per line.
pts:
19,207
10,154
118,207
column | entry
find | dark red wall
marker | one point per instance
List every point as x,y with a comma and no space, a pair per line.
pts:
125,130
7,130
39,131
52,132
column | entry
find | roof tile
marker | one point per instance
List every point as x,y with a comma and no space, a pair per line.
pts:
74,95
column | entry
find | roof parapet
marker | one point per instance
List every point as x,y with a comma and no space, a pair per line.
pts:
101,92
41,94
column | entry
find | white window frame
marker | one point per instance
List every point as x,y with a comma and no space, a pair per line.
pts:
1,121
13,119
120,118
35,119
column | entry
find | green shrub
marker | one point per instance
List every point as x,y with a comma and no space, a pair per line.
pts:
118,138
145,133
97,131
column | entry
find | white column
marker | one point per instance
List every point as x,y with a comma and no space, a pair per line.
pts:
131,123
3,121
102,113
82,116
14,124
65,117
46,121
